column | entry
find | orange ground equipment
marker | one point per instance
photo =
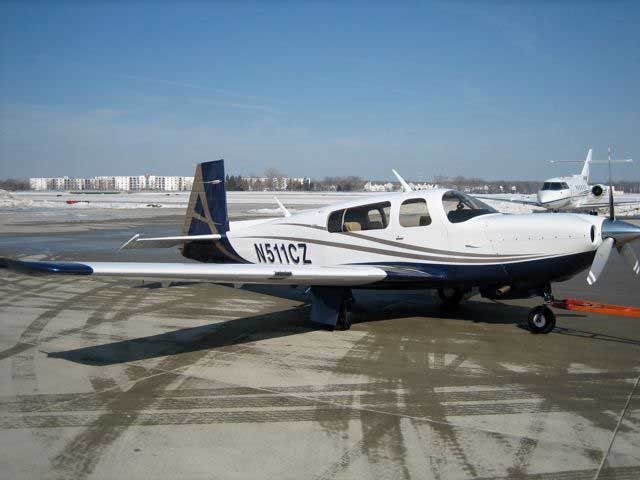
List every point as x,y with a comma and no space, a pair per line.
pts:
595,307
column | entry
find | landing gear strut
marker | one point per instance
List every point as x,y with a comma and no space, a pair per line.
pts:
541,318
450,296
344,314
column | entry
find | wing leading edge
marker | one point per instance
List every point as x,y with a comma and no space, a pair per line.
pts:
349,275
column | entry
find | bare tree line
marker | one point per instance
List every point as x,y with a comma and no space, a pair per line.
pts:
356,184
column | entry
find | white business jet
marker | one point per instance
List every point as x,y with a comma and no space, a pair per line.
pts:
572,193
437,239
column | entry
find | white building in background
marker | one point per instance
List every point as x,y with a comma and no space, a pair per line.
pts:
137,183
40,183
156,183
119,183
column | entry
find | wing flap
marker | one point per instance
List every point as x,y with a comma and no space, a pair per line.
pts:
355,275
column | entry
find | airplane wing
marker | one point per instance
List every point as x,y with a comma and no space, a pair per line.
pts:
509,200
350,275
590,205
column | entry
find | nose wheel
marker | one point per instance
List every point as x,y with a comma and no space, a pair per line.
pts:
541,319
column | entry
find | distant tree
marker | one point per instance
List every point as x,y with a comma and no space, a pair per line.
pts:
14,184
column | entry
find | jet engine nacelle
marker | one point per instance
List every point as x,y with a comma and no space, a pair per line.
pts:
597,190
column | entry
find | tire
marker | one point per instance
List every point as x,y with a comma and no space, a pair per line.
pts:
541,319
344,317
450,297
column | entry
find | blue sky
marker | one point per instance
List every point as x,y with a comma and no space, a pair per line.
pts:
489,89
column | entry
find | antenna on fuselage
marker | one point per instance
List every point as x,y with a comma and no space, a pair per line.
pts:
405,185
285,212
612,213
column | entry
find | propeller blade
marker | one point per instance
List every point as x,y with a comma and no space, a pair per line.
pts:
630,257
600,260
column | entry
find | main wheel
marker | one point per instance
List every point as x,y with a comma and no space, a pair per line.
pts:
450,296
541,319
344,316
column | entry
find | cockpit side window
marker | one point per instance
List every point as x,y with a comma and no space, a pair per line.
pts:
414,213
363,217
460,208
555,186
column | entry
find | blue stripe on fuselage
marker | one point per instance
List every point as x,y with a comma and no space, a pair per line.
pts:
542,271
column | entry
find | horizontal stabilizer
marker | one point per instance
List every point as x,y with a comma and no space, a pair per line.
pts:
165,242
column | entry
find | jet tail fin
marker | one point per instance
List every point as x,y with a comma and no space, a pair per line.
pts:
587,162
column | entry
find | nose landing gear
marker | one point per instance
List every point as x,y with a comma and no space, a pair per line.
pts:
541,318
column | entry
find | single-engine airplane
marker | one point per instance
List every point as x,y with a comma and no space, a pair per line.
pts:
437,239
572,193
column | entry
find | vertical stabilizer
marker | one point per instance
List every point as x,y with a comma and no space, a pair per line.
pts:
207,214
207,210
585,168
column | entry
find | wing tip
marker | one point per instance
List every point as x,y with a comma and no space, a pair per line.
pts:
37,267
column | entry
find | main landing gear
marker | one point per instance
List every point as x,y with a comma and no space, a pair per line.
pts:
331,306
344,314
541,318
451,296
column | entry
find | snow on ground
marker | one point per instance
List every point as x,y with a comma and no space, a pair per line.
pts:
240,203
7,200
170,200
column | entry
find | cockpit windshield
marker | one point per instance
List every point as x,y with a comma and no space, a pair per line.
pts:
460,208
555,186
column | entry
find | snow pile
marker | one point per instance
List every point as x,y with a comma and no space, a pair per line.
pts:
9,201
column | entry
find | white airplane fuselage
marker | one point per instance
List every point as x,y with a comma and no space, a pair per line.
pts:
489,247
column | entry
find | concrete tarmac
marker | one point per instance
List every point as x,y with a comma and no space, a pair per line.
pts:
106,380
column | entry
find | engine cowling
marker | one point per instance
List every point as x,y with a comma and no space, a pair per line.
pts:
597,190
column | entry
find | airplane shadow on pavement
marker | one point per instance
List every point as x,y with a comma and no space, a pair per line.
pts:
277,324
370,307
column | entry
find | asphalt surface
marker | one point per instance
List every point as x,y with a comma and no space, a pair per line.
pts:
103,379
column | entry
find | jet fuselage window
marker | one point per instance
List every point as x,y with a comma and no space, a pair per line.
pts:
364,217
414,213
555,186
460,208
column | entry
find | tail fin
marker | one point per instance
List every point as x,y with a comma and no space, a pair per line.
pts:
207,214
207,211
585,168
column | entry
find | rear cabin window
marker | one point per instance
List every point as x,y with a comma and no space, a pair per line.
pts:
364,217
414,213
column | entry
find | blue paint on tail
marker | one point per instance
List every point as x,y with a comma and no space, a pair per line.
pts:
207,214
216,193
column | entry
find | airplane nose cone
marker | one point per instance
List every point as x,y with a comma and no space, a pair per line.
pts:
621,232
543,197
